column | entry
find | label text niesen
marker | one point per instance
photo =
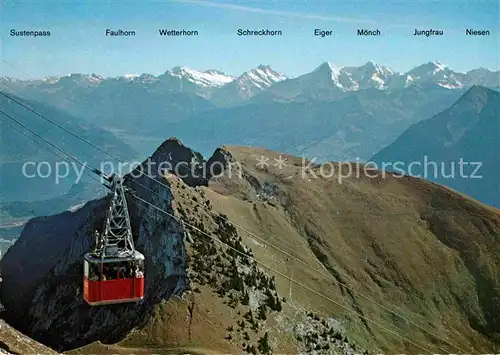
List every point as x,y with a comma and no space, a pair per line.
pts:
120,33
472,32
25,33
177,33
428,33
262,32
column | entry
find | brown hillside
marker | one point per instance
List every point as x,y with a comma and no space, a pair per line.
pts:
419,249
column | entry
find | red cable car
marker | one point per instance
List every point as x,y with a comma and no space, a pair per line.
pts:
114,271
113,280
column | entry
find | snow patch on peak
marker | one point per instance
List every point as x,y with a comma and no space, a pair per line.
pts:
379,82
146,78
455,84
331,71
95,78
247,85
435,73
369,75
209,78
409,80
328,67
439,66
261,77
51,79
214,71
131,76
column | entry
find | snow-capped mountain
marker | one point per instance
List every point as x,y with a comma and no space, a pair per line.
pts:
75,78
178,80
146,78
435,73
326,82
330,82
323,83
206,79
247,86
368,76
326,73
261,77
79,79
186,80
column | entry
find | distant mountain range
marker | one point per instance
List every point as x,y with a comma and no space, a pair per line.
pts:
246,86
469,131
328,82
332,113
325,82
144,109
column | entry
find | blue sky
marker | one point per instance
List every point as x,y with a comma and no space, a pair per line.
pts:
78,45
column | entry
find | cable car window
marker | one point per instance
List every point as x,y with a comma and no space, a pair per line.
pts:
124,270
109,272
139,270
136,268
86,268
93,270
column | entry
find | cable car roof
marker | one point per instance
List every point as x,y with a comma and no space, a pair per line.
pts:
129,256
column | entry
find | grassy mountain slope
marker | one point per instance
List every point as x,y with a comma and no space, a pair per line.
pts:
415,247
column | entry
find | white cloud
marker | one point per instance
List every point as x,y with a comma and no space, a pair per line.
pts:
280,12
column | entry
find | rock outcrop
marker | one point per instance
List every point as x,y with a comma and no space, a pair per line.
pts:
13,342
